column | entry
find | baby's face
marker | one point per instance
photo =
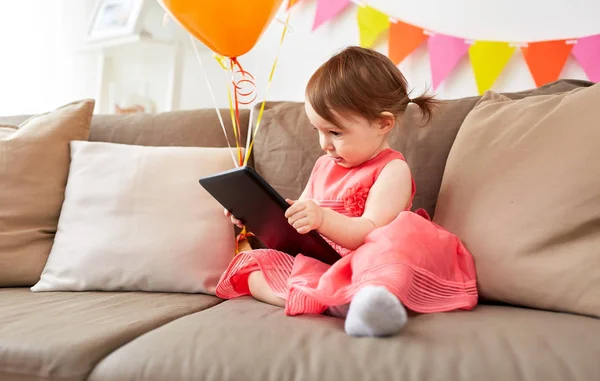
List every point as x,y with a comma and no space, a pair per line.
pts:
352,145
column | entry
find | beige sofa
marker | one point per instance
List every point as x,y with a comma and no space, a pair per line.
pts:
100,336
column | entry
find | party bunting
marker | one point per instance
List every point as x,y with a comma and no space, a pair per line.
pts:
445,52
404,39
371,24
546,59
328,9
587,52
488,59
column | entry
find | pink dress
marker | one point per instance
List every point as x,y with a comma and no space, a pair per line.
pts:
424,265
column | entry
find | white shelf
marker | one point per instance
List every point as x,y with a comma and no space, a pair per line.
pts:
149,35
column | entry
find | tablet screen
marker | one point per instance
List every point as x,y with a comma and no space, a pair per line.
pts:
251,199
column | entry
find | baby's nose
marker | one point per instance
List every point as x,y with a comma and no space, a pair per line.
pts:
326,145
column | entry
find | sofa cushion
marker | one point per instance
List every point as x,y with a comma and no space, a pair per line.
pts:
286,146
522,190
61,336
136,219
200,128
247,340
34,165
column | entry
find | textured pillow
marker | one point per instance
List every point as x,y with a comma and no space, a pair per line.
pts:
34,164
136,219
522,189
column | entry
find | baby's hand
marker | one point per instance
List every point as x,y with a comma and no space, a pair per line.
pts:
234,220
304,215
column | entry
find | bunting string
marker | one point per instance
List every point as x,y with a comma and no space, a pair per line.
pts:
545,59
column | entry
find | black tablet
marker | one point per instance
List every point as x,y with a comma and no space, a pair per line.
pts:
251,199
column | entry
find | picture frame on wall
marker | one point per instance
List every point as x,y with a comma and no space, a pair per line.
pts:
114,19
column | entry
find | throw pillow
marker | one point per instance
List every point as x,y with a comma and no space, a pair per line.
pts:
135,218
521,189
34,164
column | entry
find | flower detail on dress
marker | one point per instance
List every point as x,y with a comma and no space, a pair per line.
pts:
355,199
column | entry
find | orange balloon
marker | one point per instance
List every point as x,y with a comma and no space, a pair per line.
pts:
228,27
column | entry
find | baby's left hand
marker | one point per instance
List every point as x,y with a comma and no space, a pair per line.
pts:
304,215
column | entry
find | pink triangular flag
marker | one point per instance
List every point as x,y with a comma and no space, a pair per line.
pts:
587,52
328,9
444,54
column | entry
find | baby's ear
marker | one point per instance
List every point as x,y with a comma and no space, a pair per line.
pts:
386,122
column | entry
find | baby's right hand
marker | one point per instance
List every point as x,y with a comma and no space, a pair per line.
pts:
234,220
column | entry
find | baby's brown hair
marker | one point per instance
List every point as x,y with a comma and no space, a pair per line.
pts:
364,82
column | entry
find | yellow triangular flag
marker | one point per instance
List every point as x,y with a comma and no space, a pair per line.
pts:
371,23
488,59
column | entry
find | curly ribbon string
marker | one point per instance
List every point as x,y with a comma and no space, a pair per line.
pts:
243,236
247,82
245,89
270,80
244,93
234,124
241,96
222,62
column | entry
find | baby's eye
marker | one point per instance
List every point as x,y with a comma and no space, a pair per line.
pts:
335,133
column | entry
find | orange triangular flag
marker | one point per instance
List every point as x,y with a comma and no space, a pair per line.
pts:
404,39
546,59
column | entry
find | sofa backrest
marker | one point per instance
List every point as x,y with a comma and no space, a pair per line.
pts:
286,145
200,128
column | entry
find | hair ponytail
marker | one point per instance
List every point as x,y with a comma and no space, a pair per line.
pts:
427,104
364,82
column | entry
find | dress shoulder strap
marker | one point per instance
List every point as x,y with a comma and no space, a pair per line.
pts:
384,158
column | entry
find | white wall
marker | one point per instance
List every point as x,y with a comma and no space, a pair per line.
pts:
506,20
42,65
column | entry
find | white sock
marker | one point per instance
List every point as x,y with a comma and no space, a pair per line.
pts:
374,311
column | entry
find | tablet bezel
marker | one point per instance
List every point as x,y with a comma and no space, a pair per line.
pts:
218,186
